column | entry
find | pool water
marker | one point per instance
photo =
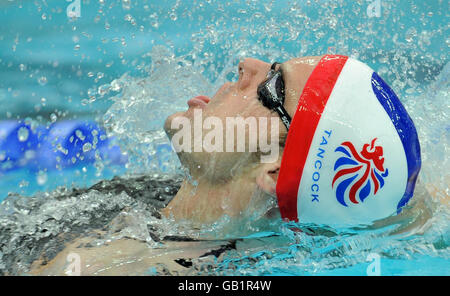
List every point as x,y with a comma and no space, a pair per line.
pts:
129,64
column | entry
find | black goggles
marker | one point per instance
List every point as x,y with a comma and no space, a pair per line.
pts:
271,93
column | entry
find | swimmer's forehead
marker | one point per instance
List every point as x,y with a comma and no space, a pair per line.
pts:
295,74
296,64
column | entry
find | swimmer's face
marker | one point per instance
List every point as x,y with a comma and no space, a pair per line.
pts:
239,99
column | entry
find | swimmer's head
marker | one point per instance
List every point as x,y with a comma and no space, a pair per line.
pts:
347,150
237,105
251,135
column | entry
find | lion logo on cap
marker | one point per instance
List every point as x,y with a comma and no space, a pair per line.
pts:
359,171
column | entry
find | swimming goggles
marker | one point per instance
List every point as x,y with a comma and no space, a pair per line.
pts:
271,93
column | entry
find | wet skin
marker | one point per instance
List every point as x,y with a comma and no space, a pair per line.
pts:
226,183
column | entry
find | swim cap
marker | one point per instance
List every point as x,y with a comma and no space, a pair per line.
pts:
352,154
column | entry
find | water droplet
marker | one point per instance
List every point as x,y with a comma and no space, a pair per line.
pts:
410,35
29,154
154,24
53,117
80,135
41,178
126,4
42,80
76,47
115,85
24,183
103,89
60,148
87,147
130,18
22,67
22,134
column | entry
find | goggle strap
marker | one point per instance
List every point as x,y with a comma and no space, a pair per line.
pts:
285,118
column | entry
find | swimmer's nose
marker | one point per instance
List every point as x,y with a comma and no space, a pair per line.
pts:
254,71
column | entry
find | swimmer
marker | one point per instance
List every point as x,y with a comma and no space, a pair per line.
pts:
348,155
348,150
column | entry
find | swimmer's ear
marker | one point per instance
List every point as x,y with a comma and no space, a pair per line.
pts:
268,176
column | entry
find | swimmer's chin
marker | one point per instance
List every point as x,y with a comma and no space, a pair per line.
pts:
188,114
168,123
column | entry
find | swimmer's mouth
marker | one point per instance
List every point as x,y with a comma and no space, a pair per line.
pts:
199,102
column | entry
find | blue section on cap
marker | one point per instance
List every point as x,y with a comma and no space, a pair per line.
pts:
405,129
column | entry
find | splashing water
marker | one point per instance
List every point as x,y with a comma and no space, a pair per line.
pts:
299,252
136,115
405,46
295,252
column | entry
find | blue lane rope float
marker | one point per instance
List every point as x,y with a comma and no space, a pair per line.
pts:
61,145
17,140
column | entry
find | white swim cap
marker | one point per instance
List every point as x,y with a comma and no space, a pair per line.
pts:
352,155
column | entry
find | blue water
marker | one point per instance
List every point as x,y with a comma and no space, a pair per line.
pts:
53,69
388,267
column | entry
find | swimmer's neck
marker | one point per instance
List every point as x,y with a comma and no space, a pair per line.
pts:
206,203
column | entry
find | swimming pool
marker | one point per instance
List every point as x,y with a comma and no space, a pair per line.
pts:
111,64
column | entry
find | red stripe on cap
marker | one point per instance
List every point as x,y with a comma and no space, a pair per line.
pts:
310,106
